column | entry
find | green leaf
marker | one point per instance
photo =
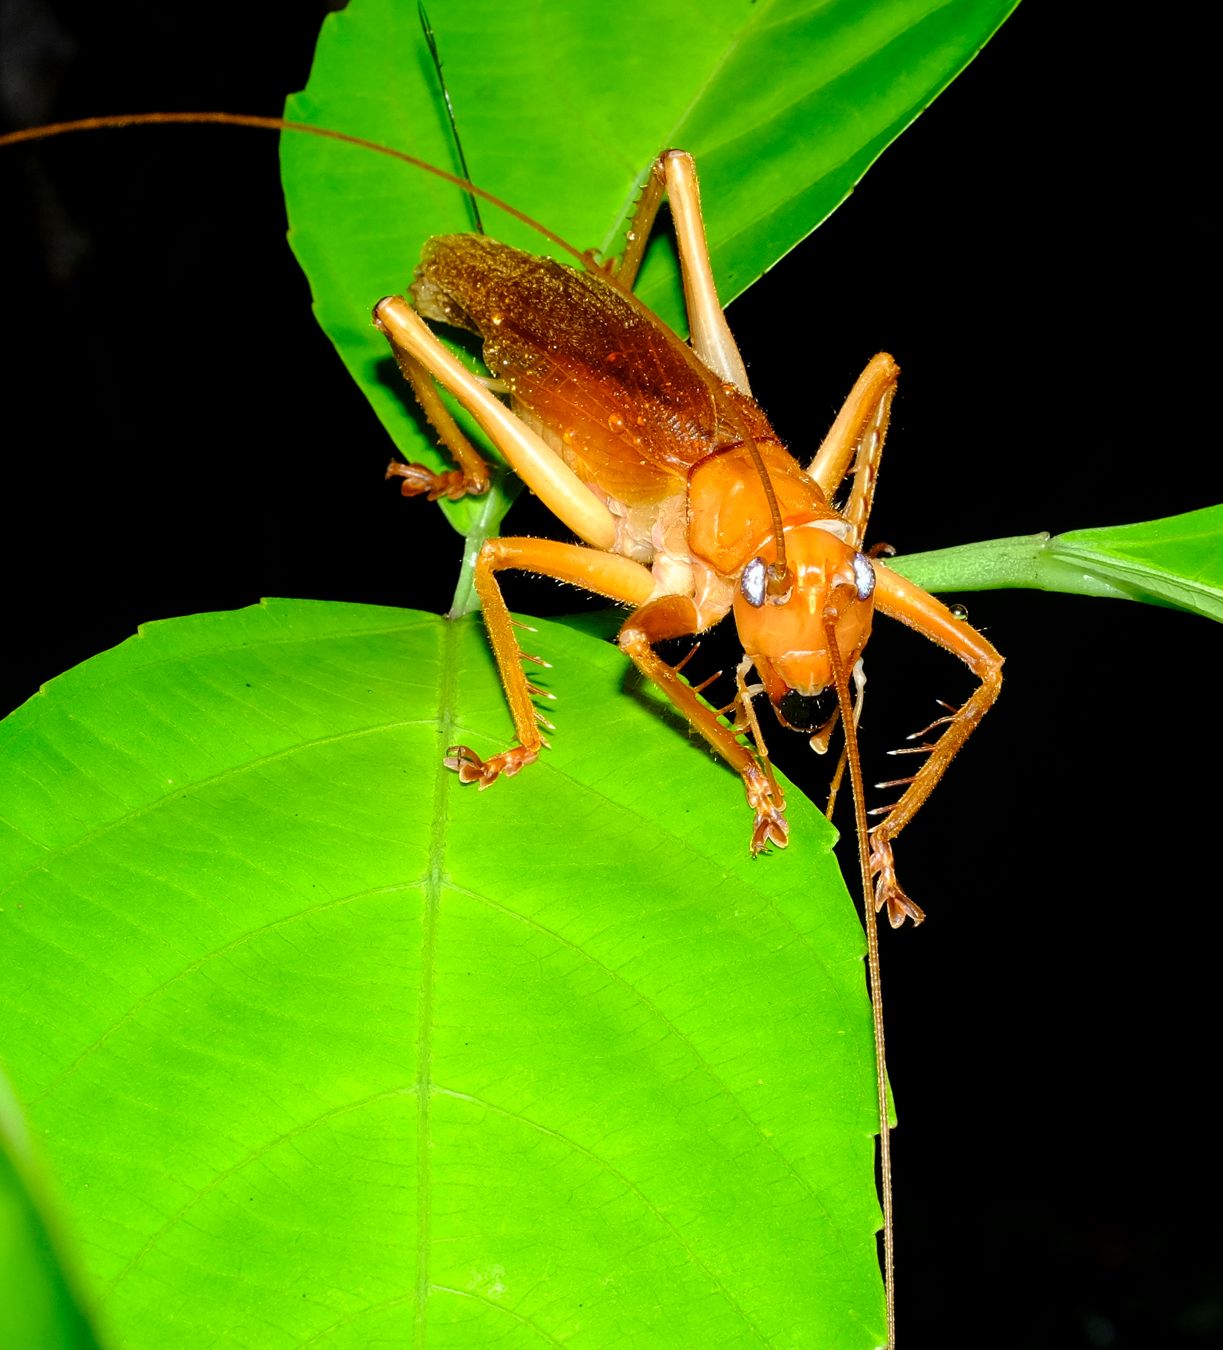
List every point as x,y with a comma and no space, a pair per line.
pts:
562,108
38,1306
1177,562
323,1045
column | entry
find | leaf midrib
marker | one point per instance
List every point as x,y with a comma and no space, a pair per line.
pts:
448,683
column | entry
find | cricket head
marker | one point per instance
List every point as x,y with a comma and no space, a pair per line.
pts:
786,625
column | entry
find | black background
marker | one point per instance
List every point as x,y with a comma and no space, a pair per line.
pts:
1037,252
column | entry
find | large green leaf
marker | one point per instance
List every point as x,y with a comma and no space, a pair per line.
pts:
323,1045
562,108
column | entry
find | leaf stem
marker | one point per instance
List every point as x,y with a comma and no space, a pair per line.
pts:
496,502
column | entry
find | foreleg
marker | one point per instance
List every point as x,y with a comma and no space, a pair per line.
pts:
677,616
901,599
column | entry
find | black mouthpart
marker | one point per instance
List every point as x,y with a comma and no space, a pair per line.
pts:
806,712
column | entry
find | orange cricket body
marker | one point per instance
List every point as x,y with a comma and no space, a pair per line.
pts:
653,452
677,455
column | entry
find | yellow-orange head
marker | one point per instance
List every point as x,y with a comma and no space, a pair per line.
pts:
783,623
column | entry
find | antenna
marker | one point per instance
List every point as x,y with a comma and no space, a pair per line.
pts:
155,119
871,924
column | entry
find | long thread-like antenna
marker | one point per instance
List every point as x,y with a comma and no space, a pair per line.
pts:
779,583
431,43
53,129
872,964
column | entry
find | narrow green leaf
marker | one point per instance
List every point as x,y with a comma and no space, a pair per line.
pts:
325,1046
785,105
1177,562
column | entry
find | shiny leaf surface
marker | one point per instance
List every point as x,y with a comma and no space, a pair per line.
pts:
320,1039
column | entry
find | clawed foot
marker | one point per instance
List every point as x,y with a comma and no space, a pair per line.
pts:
472,769
887,888
764,797
421,481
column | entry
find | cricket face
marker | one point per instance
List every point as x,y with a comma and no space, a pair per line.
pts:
787,636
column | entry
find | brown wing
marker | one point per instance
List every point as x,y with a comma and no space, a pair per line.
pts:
626,402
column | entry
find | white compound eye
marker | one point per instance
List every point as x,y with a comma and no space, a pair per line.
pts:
864,576
753,582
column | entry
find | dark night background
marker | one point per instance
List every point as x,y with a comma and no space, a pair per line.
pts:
1038,252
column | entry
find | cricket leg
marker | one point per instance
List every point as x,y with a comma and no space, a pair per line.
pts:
539,466
608,574
855,441
672,616
472,474
902,600
674,176
856,438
